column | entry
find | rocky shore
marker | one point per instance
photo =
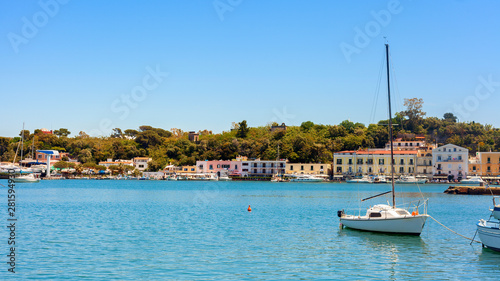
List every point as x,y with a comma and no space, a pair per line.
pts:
472,190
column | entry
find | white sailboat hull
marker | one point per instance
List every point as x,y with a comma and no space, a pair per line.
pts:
403,225
489,233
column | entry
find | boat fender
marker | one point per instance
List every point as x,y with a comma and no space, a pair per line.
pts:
340,213
414,213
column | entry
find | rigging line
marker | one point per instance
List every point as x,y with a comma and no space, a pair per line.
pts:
398,101
472,240
377,90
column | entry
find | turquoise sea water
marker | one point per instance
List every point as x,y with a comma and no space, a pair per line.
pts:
165,230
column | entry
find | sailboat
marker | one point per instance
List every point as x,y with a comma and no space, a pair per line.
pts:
276,177
383,217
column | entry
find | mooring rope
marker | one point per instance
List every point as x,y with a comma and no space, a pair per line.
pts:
454,231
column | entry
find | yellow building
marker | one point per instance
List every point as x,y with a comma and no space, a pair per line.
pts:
485,164
307,168
187,170
374,161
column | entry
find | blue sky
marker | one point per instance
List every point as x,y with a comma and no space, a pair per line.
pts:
95,65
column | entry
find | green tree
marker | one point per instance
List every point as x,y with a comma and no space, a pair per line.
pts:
63,132
85,156
306,126
242,129
413,112
450,117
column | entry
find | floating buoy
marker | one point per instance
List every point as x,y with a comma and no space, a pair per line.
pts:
249,208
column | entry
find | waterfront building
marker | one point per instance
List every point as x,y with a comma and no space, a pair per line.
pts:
230,167
110,162
485,164
450,162
188,169
262,168
141,163
308,169
374,161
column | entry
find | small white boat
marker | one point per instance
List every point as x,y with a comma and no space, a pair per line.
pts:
473,180
385,218
410,180
224,178
307,178
364,179
489,233
380,179
495,212
27,178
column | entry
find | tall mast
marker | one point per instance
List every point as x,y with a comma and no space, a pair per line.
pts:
390,125
22,145
278,159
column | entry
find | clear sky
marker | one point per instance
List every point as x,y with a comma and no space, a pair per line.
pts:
203,64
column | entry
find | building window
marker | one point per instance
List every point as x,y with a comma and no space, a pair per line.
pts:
218,166
381,161
350,161
402,162
272,165
369,161
460,157
255,165
255,171
360,162
489,160
291,167
281,165
339,161
302,167
263,165
411,161
312,168
401,169
244,164
439,158
321,167
454,150
339,169
192,169
272,171
211,167
236,167
489,169
263,171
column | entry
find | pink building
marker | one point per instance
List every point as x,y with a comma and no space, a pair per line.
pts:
216,166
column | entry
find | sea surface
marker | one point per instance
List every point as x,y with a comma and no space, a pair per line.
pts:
186,230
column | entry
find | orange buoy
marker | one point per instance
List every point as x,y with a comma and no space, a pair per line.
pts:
249,208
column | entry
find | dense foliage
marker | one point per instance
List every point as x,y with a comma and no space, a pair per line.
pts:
308,142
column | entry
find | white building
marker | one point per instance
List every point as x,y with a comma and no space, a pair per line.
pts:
141,163
262,168
451,161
